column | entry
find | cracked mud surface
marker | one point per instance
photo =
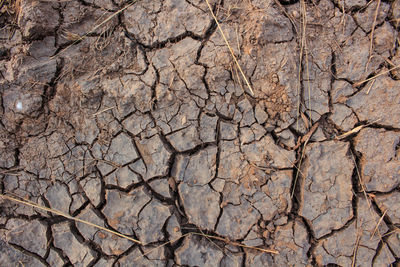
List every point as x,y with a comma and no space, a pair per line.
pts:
145,127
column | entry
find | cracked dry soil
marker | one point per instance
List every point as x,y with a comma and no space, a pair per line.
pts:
146,127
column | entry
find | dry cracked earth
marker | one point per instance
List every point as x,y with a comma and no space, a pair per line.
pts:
133,116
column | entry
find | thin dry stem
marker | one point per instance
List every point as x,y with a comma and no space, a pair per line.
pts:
369,204
97,26
371,43
266,250
377,225
353,262
57,212
104,110
376,76
229,47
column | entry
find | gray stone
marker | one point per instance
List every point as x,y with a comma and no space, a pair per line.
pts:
327,187
196,251
236,221
122,209
151,221
380,165
29,235
77,253
201,205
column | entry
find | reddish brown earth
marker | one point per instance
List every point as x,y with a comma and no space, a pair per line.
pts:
133,116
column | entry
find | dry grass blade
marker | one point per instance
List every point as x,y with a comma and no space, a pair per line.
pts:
97,26
369,88
215,244
209,237
160,246
371,44
302,140
355,130
367,198
34,205
303,12
229,47
104,110
377,225
266,250
364,190
376,76
346,134
353,262
396,230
